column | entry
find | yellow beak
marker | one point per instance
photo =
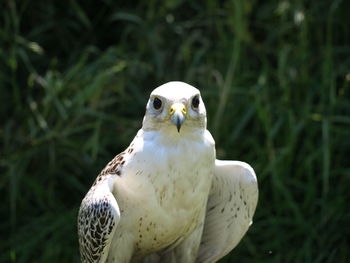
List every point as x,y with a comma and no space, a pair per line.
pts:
178,114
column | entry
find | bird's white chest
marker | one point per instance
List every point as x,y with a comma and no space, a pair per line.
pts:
164,193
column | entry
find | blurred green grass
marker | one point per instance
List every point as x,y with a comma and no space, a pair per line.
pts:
275,76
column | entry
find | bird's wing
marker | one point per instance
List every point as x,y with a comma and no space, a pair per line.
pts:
231,205
97,220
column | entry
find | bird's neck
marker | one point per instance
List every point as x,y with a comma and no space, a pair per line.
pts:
170,135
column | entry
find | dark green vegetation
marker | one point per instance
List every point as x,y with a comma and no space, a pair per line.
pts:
275,76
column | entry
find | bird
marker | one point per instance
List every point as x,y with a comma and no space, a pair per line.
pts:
166,198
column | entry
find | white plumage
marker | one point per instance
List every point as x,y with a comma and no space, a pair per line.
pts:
166,198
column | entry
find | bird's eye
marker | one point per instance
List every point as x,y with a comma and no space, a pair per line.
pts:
157,103
195,102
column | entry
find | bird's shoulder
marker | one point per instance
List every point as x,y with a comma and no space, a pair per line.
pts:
115,166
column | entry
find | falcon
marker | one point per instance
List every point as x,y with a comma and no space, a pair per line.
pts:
166,198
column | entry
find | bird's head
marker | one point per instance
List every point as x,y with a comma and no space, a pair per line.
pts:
175,106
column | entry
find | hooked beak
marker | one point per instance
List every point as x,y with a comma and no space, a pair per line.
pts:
178,114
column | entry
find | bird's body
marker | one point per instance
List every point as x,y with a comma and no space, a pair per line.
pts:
159,210
150,202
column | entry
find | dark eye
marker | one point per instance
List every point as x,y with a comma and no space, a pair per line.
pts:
157,103
195,102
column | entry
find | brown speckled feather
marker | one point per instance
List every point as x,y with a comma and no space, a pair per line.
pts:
99,215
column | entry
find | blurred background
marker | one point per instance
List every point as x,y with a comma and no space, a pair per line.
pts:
75,77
